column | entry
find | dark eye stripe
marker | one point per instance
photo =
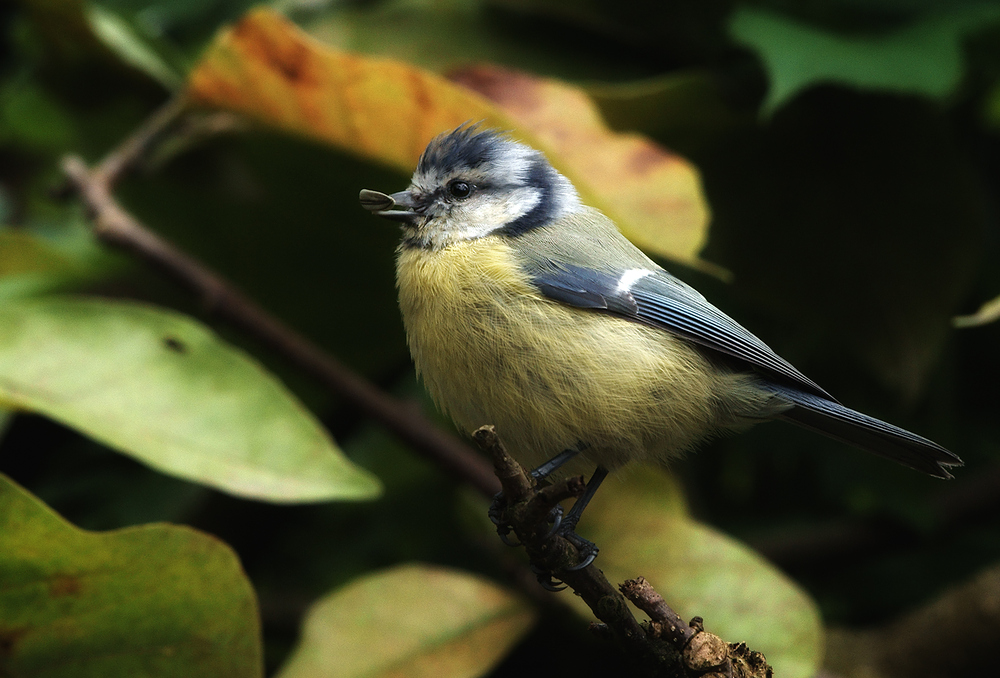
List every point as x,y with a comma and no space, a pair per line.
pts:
541,213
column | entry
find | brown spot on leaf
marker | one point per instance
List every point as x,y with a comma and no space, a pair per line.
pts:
64,585
647,157
275,50
174,344
506,88
268,69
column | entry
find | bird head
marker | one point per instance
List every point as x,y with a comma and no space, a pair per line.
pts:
470,183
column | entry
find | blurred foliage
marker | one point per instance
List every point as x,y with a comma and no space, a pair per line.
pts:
154,600
439,622
847,151
923,57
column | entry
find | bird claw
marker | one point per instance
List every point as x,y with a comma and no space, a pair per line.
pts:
546,580
495,512
586,548
504,529
556,518
563,523
496,517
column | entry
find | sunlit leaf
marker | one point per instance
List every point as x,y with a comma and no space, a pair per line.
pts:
987,313
924,57
266,68
163,389
407,622
157,600
116,34
642,528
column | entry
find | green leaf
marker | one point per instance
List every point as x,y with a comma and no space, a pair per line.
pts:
125,42
410,621
157,600
924,57
642,528
83,28
162,388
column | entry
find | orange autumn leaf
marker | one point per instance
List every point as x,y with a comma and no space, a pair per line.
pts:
266,68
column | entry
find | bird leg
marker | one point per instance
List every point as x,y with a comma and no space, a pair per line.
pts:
553,464
499,503
526,507
588,549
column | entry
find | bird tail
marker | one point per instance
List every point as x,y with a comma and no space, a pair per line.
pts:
854,428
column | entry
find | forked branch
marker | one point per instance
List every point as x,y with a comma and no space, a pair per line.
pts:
666,645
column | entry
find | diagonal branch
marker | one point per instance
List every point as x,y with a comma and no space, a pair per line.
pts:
117,228
665,646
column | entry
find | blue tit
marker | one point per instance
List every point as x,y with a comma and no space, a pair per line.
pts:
528,310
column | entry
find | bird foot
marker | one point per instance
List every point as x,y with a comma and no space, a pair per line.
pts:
497,513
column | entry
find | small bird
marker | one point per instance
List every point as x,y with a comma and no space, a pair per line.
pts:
530,311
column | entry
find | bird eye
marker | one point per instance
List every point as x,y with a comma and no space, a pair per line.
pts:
459,189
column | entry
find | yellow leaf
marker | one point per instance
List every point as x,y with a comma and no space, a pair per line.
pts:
410,621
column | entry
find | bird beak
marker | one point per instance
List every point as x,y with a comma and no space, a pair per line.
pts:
396,207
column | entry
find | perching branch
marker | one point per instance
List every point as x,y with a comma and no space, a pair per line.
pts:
116,227
664,646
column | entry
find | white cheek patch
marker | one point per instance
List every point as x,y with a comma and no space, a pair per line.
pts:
486,215
631,277
503,208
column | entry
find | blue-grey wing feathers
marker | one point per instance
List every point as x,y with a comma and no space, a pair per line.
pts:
663,301
658,299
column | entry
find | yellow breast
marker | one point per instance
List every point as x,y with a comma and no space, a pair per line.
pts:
492,350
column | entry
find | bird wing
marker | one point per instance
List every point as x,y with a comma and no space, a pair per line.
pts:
659,299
